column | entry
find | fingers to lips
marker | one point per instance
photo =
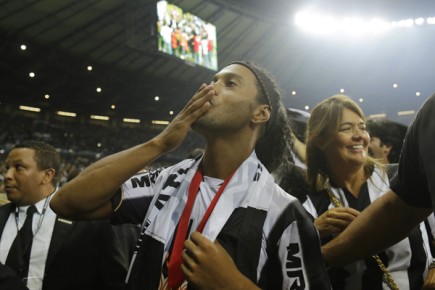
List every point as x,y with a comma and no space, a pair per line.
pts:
202,92
201,87
199,101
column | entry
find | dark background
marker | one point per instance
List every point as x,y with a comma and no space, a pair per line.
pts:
117,37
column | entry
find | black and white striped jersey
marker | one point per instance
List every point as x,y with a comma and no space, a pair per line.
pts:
265,230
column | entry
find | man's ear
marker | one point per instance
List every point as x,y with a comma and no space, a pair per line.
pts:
387,149
48,175
261,114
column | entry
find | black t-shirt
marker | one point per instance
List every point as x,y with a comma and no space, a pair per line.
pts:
415,181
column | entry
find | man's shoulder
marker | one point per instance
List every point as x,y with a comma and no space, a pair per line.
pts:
84,224
73,228
186,163
283,196
5,208
3,199
73,235
282,202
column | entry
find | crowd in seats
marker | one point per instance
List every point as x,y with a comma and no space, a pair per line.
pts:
81,143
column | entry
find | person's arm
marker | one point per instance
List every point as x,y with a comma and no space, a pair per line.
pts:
88,196
429,282
207,266
385,222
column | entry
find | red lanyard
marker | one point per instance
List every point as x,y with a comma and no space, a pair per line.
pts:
175,275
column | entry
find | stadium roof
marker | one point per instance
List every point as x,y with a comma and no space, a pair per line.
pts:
118,39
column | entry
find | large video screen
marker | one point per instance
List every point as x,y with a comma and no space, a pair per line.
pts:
186,36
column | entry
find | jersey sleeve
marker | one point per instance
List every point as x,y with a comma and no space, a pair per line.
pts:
131,202
299,253
415,182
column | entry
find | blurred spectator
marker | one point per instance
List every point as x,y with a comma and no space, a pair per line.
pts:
3,198
386,140
298,119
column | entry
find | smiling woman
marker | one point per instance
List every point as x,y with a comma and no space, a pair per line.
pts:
348,147
336,135
344,180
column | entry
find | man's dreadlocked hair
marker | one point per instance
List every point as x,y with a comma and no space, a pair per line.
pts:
273,145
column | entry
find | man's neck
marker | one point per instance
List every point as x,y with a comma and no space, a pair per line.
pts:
221,160
42,195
